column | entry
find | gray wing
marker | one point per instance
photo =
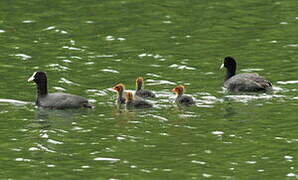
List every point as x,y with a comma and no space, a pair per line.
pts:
145,93
247,82
186,100
63,100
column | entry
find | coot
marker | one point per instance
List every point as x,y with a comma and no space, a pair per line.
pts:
55,100
250,82
141,92
182,99
136,102
120,90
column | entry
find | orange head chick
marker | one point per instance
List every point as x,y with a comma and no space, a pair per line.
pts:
119,88
178,89
139,82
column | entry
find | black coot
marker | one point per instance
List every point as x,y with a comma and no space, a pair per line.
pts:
55,100
250,82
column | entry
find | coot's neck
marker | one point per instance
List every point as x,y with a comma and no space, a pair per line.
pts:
139,85
42,88
231,71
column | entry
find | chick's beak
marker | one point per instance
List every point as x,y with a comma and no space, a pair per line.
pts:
173,90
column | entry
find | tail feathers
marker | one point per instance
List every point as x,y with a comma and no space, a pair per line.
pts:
88,106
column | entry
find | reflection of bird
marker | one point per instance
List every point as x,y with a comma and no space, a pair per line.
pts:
120,96
140,91
55,100
136,102
181,98
245,81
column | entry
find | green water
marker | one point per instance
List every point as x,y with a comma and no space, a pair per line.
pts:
86,47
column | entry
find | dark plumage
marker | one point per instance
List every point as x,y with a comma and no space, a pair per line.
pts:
55,100
141,92
136,102
182,99
120,96
250,82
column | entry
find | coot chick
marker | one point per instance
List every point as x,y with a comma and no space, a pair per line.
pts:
249,82
136,102
55,100
120,96
141,92
182,99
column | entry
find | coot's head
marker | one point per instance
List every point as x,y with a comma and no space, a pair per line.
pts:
128,96
38,77
178,89
229,63
119,87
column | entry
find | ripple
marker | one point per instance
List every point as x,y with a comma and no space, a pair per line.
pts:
106,159
252,70
247,98
110,70
28,21
23,56
2,31
49,28
159,82
58,67
63,80
291,45
198,162
159,117
217,132
59,88
287,82
110,38
14,102
182,67
22,159
54,141
153,75
206,175
72,48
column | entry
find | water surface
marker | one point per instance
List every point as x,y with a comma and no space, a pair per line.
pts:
87,47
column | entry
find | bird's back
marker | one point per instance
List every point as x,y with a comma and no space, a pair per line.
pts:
185,100
145,93
62,101
247,82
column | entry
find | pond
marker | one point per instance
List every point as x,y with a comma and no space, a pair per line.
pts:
87,47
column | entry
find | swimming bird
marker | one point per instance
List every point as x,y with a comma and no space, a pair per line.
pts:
120,88
140,91
136,102
182,99
55,100
250,82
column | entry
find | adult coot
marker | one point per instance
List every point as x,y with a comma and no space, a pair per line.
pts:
120,96
141,92
182,99
136,102
55,100
250,82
